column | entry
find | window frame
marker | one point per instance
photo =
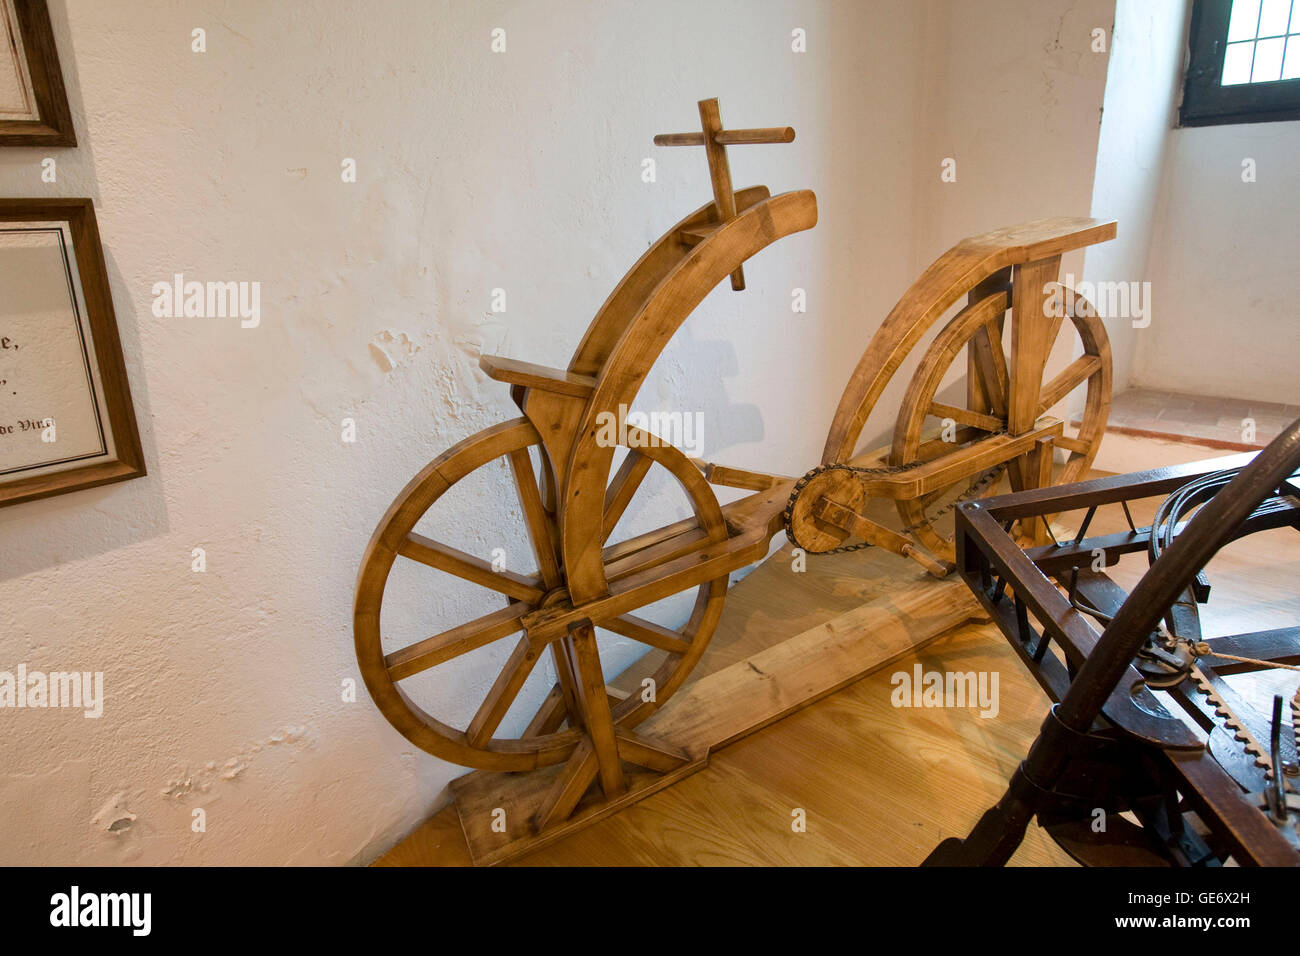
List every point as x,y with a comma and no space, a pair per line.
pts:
1205,101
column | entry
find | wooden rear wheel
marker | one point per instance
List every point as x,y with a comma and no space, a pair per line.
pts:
555,728
978,331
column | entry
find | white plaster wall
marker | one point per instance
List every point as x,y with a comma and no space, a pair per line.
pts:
1012,92
1137,128
475,171
1224,267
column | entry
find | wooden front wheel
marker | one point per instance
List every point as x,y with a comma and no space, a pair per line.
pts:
555,727
978,331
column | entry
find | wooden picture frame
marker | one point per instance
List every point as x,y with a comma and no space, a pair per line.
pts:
33,101
55,301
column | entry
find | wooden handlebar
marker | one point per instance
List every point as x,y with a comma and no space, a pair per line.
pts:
729,137
715,139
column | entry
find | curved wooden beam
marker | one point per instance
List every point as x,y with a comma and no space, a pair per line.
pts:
674,297
636,286
949,277
936,361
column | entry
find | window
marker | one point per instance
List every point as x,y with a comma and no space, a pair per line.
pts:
1245,63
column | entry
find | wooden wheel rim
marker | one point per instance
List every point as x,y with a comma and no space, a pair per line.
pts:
984,318
1096,410
420,494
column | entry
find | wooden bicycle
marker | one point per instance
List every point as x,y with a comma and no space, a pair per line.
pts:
572,504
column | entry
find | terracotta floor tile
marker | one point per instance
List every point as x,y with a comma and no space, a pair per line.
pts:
1199,416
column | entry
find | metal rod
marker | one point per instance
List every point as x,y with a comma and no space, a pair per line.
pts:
1129,515
1087,520
1047,524
1275,751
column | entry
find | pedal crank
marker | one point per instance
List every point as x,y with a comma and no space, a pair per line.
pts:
842,516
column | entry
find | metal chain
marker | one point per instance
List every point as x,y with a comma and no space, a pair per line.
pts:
976,488
1295,718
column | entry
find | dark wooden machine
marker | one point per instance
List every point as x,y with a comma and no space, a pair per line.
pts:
1151,754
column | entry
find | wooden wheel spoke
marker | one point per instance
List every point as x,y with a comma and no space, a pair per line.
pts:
990,365
445,558
503,693
453,643
549,716
577,775
1053,330
594,702
565,671
1075,445
539,522
1070,378
631,546
622,489
554,709
646,632
964,416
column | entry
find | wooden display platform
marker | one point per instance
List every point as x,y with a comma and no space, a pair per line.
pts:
786,639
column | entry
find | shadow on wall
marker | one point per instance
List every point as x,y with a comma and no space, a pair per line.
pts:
725,423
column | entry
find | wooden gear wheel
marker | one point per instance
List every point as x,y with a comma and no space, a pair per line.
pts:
554,732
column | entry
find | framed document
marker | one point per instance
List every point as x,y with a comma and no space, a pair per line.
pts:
33,103
66,419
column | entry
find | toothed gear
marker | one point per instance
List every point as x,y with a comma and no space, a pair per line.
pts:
1239,731
974,491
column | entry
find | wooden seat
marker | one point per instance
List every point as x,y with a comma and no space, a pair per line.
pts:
1030,241
530,375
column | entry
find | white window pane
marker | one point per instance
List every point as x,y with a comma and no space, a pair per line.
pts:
1268,60
1242,20
1273,17
1291,68
1236,63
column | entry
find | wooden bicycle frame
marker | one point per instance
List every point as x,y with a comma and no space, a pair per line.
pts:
617,352
655,298
574,504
